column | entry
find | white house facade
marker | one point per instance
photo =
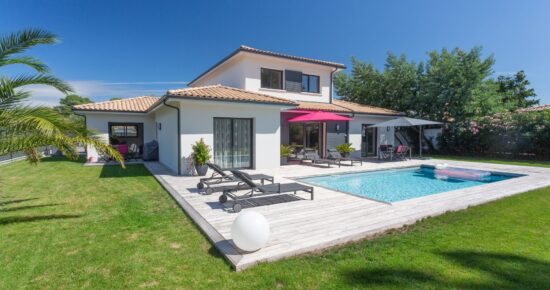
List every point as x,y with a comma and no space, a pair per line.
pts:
240,107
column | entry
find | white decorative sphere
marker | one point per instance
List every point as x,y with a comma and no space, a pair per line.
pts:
250,231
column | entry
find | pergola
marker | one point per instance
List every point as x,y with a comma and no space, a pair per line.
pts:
408,122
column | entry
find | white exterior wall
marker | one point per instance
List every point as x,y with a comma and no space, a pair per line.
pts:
244,72
99,122
197,121
230,74
167,136
385,134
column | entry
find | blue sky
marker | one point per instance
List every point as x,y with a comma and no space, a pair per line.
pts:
128,48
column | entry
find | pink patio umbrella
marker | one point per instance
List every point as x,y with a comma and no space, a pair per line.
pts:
319,116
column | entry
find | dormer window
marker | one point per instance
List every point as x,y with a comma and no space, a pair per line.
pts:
272,79
310,83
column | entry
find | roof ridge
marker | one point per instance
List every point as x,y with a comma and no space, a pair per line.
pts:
195,88
261,94
364,105
116,101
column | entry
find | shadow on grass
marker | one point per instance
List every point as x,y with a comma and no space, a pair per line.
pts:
25,219
508,271
6,202
55,158
501,271
27,207
116,171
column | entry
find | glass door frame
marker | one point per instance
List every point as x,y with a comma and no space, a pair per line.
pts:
365,153
304,134
252,137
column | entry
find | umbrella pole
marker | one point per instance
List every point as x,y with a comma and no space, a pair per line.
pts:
420,141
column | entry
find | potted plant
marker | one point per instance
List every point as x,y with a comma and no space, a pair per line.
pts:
201,155
286,150
345,149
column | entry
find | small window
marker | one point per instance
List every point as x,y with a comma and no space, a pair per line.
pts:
310,83
272,79
124,131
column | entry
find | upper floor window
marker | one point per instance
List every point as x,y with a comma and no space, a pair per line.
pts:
310,83
272,79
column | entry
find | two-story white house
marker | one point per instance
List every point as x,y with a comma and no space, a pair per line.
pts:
240,107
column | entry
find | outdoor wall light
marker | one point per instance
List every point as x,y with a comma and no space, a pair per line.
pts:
159,125
337,127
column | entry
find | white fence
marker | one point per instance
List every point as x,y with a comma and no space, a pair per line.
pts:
46,151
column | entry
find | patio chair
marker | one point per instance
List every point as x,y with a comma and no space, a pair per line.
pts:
133,151
219,177
313,156
401,152
260,190
336,156
385,152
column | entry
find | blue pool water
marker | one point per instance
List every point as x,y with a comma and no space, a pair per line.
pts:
399,184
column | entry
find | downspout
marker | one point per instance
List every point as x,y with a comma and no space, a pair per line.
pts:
324,124
331,86
179,134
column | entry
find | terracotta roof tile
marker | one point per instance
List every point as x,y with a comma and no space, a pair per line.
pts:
223,93
365,109
277,54
345,107
137,104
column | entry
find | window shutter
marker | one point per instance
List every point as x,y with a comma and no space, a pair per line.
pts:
293,81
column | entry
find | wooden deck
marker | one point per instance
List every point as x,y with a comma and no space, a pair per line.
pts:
301,225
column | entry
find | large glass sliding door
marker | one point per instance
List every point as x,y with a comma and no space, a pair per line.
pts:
368,140
233,142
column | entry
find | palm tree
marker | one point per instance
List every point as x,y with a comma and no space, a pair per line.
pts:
24,127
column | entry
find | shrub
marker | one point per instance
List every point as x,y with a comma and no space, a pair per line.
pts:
516,133
286,150
201,152
345,148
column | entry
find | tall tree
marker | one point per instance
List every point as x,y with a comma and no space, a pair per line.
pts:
24,127
65,106
451,85
363,86
516,92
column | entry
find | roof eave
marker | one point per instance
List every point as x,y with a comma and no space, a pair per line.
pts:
241,49
230,101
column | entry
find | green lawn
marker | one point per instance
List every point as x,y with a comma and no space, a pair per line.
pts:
537,163
63,225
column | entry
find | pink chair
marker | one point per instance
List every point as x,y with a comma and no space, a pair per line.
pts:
401,151
122,149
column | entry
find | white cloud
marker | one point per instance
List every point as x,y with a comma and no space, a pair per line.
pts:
99,91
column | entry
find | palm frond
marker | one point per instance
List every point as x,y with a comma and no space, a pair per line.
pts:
20,41
26,127
42,120
40,79
28,61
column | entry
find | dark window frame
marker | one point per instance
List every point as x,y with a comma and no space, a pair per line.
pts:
136,125
317,89
272,70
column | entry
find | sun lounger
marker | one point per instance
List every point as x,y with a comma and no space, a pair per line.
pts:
219,177
336,156
257,190
313,156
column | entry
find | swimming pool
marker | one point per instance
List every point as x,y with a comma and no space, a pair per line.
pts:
401,184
